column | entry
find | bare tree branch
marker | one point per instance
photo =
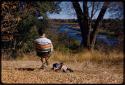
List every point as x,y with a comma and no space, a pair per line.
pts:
93,5
78,9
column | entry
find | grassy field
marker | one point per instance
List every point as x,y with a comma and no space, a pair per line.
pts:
88,68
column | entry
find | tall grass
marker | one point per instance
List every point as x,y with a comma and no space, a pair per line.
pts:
96,56
113,57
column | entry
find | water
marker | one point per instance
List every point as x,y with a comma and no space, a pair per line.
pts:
75,34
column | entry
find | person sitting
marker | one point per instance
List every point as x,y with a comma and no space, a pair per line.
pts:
44,48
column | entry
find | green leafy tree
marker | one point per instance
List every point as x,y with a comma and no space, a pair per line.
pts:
24,21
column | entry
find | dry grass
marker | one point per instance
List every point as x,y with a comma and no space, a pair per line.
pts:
94,67
95,56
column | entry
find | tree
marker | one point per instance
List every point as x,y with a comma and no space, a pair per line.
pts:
20,17
88,36
31,12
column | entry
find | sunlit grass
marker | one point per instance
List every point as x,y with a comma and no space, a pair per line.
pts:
82,56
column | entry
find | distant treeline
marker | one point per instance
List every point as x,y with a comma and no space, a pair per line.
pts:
63,20
75,20
105,24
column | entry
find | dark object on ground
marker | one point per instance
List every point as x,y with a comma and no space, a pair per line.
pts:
61,66
69,69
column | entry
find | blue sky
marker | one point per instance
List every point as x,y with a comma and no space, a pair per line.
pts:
69,13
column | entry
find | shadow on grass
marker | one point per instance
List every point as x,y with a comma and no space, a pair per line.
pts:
29,69
25,69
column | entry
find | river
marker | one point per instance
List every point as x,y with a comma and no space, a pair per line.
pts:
76,34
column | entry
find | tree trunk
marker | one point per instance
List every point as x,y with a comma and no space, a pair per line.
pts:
83,22
95,28
86,25
88,38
